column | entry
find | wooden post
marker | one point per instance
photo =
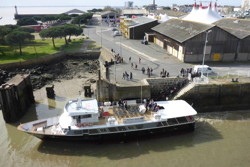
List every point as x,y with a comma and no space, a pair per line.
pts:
16,96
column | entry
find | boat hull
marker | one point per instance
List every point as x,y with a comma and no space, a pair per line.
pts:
123,136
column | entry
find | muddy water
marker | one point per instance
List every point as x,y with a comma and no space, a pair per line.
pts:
220,139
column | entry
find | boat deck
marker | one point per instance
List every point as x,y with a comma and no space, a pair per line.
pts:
120,113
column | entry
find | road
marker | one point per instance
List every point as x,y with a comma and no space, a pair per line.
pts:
151,55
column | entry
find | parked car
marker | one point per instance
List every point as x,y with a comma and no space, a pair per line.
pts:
145,42
116,33
114,29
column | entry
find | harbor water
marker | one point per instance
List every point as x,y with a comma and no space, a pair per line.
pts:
220,139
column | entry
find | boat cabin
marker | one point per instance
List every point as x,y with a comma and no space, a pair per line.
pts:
78,112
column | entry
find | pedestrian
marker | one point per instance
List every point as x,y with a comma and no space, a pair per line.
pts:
123,76
143,70
136,66
132,65
139,60
131,76
129,59
151,70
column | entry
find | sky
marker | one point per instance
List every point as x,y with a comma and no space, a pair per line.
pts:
106,2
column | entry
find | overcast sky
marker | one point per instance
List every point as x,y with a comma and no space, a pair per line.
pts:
105,2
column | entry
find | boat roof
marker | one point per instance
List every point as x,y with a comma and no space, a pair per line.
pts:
175,109
82,107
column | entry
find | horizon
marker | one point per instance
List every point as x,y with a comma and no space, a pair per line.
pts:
112,3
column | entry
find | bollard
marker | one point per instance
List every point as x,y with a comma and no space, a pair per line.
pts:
87,90
50,91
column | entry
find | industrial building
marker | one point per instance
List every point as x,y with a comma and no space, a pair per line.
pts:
136,28
225,39
186,39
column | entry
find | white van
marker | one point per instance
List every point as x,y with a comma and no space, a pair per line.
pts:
205,68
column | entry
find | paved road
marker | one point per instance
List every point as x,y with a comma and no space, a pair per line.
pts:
151,55
135,50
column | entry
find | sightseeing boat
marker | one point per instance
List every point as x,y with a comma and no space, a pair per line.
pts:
85,120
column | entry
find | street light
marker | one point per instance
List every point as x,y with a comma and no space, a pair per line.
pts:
204,52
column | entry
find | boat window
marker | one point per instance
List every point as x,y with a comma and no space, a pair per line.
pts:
82,116
86,116
93,131
159,124
103,130
85,131
112,129
172,121
165,123
78,132
130,127
139,126
149,125
182,120
121,128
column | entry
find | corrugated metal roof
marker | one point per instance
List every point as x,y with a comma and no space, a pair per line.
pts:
237,27
134,11
111,13
171,13
181,30
139,21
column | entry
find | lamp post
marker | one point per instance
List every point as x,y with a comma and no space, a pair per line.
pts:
204,51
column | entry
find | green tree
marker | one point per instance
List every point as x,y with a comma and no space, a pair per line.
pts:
25,29
26,21
52,32
82,18
4,30
18,37
63,17
48,18
70,29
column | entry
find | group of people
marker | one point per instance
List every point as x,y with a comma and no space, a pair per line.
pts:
150,105
164,73
117,57
185,72
149,71
127,76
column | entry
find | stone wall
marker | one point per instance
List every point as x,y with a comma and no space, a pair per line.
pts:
212,97
151,88
107,91
160,88
49,59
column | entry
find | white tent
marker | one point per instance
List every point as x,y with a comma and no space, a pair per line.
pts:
163,17
207,15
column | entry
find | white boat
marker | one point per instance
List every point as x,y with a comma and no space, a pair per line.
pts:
85,120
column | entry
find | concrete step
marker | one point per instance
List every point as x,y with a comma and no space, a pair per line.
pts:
184,90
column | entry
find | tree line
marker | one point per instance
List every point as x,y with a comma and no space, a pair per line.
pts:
13,34
75,19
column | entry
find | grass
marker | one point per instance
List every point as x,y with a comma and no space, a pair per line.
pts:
93,45
37,48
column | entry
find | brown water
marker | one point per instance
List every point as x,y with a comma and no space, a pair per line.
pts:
220,140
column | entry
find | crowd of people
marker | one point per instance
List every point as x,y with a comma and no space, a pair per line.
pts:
138,65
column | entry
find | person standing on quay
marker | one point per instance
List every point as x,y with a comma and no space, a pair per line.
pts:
131,76
129,59
139,60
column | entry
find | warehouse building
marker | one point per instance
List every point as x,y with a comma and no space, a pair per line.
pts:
136,28
186,40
